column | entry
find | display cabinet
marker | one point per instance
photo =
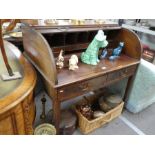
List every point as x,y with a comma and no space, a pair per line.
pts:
42,45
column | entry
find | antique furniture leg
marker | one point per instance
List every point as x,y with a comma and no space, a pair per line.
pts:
56,113
127,91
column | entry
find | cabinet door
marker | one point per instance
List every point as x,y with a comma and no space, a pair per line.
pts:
19,120
11,122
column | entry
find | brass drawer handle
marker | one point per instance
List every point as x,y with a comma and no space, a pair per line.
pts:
61,91
123,72
84,89
126,71
84,86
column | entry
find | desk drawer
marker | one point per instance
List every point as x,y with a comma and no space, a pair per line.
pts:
80,88
122,73
128,71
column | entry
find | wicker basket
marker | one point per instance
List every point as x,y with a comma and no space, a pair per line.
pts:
87,126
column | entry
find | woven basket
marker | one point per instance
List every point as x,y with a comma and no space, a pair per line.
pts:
87,126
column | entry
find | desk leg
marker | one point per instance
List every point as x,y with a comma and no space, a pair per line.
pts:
56,114
127,91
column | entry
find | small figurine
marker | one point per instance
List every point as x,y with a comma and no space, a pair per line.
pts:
90,56
103,54
116,52
60,60
73,62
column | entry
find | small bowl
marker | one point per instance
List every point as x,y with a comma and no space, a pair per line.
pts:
45,129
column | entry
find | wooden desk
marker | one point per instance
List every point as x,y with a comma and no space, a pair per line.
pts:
62,84
17,108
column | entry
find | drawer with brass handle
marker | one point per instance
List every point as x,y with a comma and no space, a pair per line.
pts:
122,73
128,71
80,88
73,90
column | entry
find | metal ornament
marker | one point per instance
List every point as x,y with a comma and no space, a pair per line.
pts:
11,75
9,69
43,100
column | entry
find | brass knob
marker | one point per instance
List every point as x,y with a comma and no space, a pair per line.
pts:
61,91
84,86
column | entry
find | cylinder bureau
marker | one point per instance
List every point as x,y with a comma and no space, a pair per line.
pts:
17,108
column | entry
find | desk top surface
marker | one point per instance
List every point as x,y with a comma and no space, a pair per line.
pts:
65,76
14,91
8,86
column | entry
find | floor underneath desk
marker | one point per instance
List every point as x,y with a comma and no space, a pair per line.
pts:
127,124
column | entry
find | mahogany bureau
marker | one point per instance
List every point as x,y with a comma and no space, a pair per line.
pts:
42,45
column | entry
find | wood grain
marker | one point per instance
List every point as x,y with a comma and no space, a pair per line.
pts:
63,84
37,48
17,108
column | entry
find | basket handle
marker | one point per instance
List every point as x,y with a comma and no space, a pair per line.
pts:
107,120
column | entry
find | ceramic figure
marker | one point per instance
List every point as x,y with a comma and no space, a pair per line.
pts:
113,57
90,56
73,61
60,60
118,50
103,54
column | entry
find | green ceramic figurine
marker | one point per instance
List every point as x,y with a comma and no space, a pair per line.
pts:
90,56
